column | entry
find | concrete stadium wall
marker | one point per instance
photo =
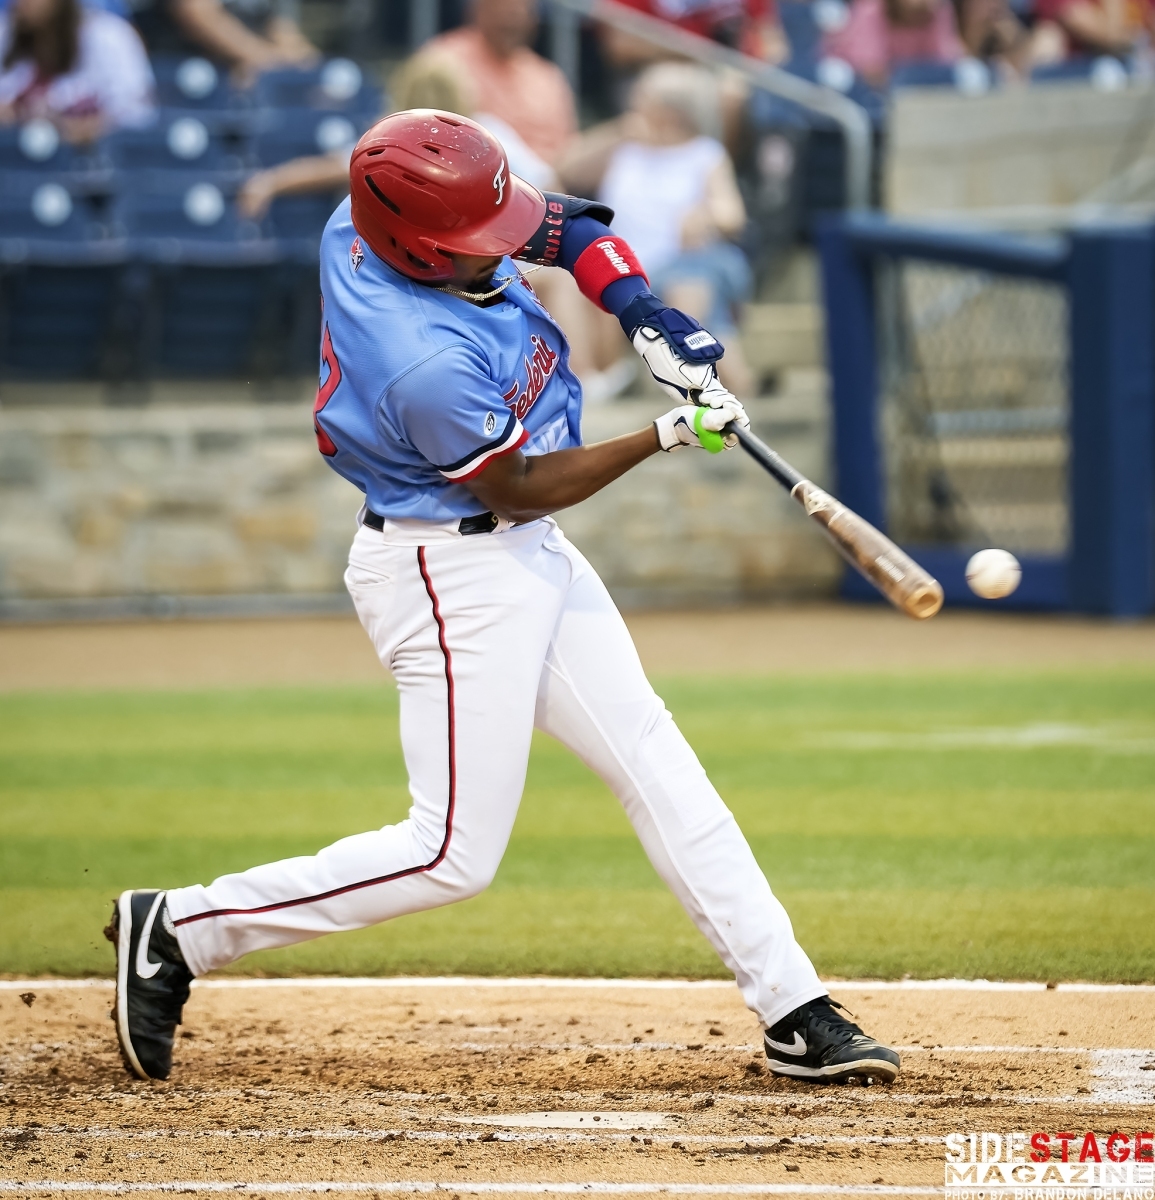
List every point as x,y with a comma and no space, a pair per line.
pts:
215,507
1046,145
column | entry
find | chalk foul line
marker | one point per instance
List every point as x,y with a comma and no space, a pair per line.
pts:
551,982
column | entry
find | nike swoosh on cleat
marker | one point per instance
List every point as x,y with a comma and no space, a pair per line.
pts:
145,968
798,1047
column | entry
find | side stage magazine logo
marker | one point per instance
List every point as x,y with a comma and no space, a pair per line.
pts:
1050,1166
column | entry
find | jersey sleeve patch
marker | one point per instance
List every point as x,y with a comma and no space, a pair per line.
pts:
511,437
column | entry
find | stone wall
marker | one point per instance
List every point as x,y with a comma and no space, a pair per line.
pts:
196,507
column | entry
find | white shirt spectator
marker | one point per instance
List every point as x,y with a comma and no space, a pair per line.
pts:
111,77
651,190
520,158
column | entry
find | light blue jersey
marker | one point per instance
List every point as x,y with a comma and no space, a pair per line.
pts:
420,389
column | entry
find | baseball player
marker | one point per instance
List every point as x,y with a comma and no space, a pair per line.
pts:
447,398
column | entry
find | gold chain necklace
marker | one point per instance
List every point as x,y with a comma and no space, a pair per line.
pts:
479,297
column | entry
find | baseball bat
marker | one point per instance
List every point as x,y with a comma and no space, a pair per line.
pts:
896,575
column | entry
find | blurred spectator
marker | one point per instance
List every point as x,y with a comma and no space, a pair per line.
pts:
423,82
83,69
503,77
883,33
747,25
1101,26
250,36
990,30
671,184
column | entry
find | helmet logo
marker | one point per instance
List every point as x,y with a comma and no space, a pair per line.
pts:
499,182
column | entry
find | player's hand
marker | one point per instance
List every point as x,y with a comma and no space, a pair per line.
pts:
679,353
701,425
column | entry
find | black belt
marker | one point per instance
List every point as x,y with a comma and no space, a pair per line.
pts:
485,522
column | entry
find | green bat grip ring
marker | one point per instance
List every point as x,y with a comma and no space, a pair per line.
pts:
710,440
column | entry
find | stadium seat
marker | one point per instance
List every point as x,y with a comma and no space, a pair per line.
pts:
195,83
60,322
60,273
299,221
179,139
213,321
42,210
805,22
295,132
215,305
37,146
970,76
1105,73
177,216
338,85
829,72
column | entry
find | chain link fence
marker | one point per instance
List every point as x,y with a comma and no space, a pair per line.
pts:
975,407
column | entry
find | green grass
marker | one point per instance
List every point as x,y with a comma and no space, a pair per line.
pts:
924,825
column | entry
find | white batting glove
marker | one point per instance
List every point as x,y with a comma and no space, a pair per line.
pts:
682,381
701,425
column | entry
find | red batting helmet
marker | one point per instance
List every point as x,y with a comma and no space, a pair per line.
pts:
424,183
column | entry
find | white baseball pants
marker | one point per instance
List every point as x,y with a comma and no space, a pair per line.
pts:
488,636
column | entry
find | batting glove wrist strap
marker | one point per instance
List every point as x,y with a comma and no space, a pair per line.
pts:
687,339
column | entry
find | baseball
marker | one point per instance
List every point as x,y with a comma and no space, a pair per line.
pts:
993,574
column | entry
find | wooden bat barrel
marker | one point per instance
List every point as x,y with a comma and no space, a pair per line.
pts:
904,583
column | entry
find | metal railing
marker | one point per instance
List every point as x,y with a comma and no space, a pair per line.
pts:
850,117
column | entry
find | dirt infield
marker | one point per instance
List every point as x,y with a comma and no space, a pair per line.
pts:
299,1086
786,639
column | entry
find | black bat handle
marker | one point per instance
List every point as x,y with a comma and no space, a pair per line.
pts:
770,460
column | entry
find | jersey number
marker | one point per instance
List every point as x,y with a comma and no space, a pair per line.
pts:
324,392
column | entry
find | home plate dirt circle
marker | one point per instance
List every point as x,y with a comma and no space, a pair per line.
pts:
531,1087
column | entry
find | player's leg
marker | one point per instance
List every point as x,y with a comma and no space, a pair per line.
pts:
594,697
464,625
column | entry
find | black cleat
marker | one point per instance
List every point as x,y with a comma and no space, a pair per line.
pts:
151,982
816,1042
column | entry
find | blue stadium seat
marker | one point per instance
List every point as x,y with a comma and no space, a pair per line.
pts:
922,74
193,209
299,221
1105,73
829,72
37,146
60,322
969,76
180,139
802,31
119,7
338,85
39,211
806,23
195,83
216,306
294,132
60,273
214,321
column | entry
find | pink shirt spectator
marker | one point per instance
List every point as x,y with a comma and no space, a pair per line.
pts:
872,43
524,90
